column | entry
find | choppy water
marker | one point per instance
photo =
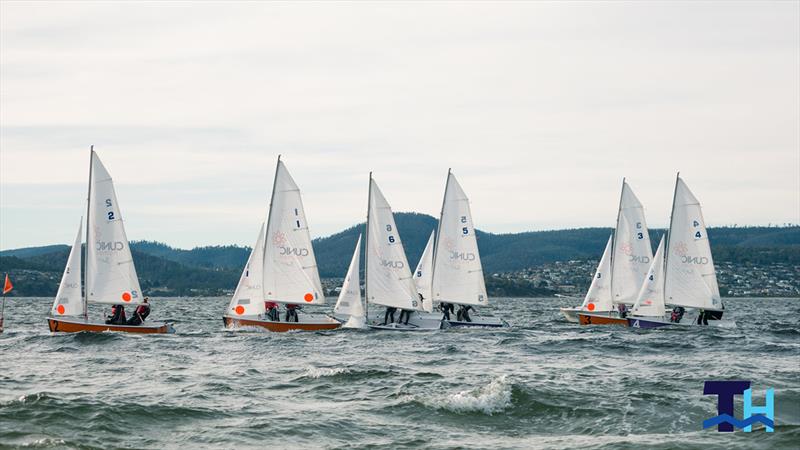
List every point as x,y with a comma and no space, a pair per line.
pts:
542,384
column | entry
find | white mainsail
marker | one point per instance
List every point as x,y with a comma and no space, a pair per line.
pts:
598,297
69,300
650,301
632,250
111,276
423,276
389,281
290,268
349,302
248,299
690,279
457,271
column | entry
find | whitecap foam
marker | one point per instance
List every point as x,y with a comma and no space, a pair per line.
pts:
489,399
318,372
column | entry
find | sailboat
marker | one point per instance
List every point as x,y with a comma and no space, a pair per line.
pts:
281,268
457,276
423,275
348,305
110,276
631,255
598,297
388,280
689,278
650,302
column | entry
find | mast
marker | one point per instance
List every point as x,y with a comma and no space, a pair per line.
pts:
669,235
366,252
614,244
86,267
266,230
438,233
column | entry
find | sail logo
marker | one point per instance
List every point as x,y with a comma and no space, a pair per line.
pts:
700,260
71,285
640,259
463,256
109,246
295,251
726,392
392,264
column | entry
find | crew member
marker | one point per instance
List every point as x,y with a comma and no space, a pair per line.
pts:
404,313
141,313
291,313
117,316
463,313
446,308
389,315
272,311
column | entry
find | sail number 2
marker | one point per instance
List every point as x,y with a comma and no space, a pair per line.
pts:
109,205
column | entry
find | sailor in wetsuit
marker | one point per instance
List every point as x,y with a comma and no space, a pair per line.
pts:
141,313
404,313
291,312
117,316
446,308
272,311
463,313
389,315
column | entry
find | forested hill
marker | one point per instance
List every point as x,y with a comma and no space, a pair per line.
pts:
215,269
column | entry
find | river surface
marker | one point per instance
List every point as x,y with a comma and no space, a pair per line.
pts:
543,383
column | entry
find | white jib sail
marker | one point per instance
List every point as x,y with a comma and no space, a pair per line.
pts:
388,276
598,297
423,276
248,299
111,275
69,300
632,250
457,271
290,268
691,280
349,302
650,301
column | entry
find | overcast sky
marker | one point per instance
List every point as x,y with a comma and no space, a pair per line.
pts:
539,108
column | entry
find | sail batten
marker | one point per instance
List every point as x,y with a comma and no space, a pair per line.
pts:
650,301
632,251
690,279
598,297
69,299
387,274
457,270
349,301
248,299
290,273
109,262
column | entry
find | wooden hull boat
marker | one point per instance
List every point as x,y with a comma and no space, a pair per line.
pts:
601,319
77,326
326,323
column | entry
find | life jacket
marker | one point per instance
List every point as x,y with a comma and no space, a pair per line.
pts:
270,305
143,311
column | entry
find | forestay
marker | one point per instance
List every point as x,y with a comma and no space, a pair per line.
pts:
632,250
290,268
349,302
389,281
650,301
69,300
111,275
457,271
691,280
248,299
423,275
598,297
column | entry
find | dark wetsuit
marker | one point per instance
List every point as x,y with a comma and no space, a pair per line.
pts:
389,315
117,316
407,314
141,313
272,311
291,313
463,313
446,308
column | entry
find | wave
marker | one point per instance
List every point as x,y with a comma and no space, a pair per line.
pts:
319,372
490,399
